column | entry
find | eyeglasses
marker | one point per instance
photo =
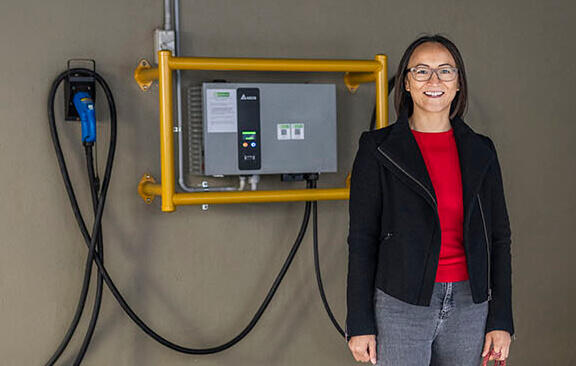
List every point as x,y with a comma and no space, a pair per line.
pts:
422,73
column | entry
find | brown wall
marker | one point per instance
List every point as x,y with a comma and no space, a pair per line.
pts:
198,277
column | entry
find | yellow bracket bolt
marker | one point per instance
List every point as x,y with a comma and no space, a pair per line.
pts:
146,179
352,86
143,67
354,79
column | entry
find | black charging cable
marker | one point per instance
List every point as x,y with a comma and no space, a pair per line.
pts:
93,241
94,192
95,253
317,268
391,83
318,272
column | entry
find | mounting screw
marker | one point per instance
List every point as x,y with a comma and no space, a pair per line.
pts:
204,207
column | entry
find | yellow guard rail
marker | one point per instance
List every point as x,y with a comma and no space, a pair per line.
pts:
357,72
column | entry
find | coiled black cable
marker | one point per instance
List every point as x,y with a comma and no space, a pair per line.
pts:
317,268
91,241
94,192
391,83
95,242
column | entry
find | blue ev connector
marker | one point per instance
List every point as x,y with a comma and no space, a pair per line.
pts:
85,107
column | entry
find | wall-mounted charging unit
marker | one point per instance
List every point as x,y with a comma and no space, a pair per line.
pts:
261,128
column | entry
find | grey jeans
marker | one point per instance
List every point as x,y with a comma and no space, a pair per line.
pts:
449,332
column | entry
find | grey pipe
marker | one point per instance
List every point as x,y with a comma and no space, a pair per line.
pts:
167,15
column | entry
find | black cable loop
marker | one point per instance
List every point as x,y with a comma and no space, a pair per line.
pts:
91,240
94,242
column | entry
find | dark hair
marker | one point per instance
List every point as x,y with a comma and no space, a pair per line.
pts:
403,101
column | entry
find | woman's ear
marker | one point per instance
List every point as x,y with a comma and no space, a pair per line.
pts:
406,84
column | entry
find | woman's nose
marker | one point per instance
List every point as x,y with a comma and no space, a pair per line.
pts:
435,74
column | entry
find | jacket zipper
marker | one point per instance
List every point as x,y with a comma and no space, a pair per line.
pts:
487,245
408,174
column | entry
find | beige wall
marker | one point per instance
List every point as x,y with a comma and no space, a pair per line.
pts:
198,277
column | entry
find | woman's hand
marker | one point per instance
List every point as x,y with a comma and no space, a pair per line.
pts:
500,341
363,348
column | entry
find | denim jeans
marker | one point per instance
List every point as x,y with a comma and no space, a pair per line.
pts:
449,332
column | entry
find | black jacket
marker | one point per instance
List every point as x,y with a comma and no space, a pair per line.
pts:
394,232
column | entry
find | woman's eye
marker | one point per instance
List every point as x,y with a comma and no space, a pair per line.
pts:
422,72
445,71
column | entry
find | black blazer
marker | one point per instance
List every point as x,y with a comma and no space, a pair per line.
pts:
394,232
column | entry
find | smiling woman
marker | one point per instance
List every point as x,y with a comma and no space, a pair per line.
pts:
432,84
442,294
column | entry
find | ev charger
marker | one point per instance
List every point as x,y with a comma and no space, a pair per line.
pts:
262,128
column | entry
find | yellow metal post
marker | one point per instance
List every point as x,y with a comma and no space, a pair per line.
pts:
382,92
166,131
272,64
286,195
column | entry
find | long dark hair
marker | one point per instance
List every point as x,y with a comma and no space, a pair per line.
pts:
403,101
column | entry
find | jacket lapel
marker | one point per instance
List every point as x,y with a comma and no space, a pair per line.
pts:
475,157
401,147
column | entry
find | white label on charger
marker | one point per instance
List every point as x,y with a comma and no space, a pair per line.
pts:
297,131
283,131
222,113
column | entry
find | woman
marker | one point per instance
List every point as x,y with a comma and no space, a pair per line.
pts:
429,276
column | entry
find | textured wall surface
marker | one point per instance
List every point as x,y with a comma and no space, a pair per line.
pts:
198,277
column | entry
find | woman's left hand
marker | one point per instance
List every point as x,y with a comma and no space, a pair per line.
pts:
500,341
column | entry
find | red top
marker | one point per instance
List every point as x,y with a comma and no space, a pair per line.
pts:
441,158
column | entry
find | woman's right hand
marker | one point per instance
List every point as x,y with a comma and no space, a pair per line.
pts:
363,348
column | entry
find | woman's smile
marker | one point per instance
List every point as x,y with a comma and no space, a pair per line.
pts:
434,94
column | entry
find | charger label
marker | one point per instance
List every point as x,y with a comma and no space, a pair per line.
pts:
290,131
284,131
222,112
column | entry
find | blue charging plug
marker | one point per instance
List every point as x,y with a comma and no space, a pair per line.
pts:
85,107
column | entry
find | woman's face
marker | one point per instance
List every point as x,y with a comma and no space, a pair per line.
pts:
432,55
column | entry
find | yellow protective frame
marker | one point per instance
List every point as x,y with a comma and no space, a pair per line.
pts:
357,71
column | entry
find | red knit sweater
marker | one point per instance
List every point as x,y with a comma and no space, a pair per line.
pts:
441,158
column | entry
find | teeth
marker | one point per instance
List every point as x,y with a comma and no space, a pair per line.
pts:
434,94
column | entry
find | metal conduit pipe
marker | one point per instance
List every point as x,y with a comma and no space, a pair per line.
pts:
167,15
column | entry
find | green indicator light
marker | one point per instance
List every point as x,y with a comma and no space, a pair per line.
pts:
249,137
223,94
298,125
248,132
